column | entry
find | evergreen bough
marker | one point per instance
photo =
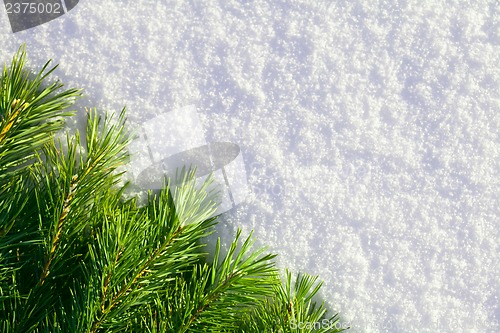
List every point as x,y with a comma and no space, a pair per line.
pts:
76,257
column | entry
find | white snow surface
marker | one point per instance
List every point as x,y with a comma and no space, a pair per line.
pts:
369,131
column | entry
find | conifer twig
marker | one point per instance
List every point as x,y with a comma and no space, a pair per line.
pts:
62,219
107,265
17,106
116,299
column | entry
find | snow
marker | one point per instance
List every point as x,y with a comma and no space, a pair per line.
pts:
369,132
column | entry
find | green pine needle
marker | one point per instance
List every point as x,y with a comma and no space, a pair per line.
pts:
76,257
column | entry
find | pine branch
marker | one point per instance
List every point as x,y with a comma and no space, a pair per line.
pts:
28,118
170,249
12,116
214,296
292,309
28,112
66,185
76,257
62,219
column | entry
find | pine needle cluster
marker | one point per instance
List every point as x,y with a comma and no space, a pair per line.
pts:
77,257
